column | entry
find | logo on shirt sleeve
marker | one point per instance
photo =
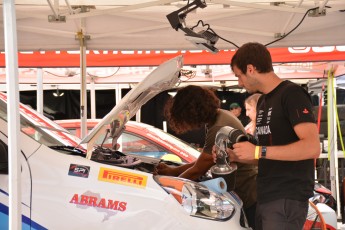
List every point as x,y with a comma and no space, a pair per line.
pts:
305,111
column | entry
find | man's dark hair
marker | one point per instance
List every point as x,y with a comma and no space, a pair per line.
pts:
191,108
255,54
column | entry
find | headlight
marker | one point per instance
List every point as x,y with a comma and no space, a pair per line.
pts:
197,199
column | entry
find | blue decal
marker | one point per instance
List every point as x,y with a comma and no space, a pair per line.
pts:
25,221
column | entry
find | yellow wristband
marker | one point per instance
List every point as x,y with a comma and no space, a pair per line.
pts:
257,150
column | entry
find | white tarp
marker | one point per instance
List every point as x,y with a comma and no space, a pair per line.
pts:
142,24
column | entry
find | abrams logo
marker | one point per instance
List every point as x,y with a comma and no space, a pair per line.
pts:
94,201
103,207
123,178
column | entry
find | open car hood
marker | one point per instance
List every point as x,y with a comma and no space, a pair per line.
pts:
164,77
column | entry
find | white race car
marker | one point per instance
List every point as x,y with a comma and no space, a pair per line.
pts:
67,185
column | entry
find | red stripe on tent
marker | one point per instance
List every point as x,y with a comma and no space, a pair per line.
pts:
154,58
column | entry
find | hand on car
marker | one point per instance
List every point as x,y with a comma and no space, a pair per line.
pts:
163,169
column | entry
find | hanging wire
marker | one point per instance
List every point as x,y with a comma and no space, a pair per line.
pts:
57,75
285,35
92,75
209,29
89,74
202,23
270,43
224,39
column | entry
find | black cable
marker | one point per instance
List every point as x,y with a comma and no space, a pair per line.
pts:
30,173
282,37
225,39
105,137
203,24
209,29
293,28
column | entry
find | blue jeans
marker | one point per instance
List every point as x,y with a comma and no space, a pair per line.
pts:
282,214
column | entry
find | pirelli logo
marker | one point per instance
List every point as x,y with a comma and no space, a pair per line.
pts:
123,178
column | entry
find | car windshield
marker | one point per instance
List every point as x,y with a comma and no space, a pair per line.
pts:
39,127
168,138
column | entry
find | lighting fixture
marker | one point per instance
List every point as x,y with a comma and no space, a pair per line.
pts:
204,39
57,93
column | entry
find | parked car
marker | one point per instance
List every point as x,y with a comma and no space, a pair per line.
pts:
142,139
66,185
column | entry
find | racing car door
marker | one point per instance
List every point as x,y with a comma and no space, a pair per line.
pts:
26,186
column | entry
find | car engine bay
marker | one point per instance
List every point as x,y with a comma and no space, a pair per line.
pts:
132,161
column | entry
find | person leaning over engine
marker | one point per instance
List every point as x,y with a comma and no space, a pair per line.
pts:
194,107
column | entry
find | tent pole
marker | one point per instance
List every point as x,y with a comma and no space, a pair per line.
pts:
40,90
332,139
118,94
13,125
83,95
323,5
93,98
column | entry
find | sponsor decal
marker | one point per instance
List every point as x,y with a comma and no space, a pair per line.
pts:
123,178
109,207
316,49
94,201
79,170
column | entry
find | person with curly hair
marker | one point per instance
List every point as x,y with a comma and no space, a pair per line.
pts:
194,107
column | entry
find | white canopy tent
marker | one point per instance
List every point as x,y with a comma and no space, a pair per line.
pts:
142,25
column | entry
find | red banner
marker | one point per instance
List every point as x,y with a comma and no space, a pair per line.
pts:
104,58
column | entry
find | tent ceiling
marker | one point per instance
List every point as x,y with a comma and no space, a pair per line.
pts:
142,24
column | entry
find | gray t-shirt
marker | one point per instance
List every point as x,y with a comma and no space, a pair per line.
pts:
245,184
224,118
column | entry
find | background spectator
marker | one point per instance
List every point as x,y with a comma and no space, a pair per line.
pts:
250,104
236,109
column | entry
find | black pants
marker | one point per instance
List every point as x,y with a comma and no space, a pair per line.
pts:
250,214
282,214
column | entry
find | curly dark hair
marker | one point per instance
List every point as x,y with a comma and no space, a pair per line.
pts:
191,108
255,54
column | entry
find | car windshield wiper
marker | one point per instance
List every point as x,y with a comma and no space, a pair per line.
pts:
70,149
